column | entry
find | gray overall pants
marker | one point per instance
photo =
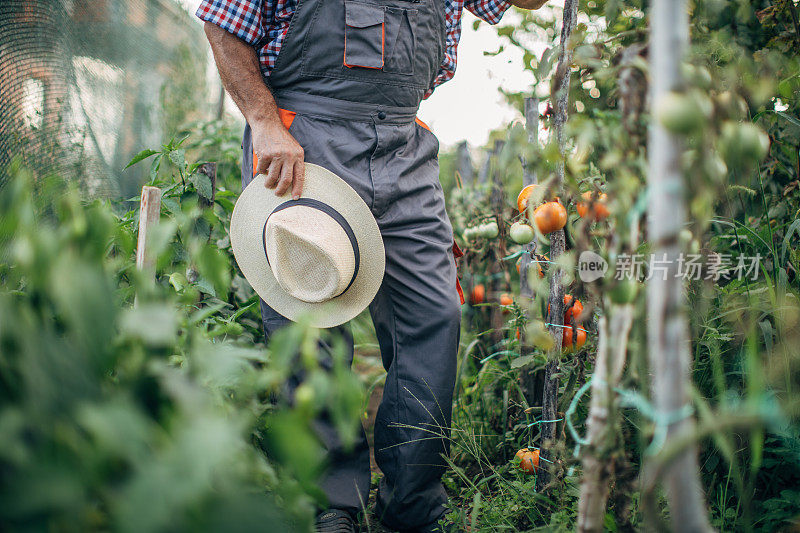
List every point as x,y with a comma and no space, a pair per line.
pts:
350,77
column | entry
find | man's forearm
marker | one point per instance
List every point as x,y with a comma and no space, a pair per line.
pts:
238,67
275,152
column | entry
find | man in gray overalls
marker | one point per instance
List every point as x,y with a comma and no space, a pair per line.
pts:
338,83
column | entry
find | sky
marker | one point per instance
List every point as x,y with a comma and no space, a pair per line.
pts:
469,106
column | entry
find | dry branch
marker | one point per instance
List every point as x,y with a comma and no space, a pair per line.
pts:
610,361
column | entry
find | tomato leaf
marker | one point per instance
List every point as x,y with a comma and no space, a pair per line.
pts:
141,156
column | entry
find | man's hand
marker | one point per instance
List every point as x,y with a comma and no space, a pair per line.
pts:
528,4
280,157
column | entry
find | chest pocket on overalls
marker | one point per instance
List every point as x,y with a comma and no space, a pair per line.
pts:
379,37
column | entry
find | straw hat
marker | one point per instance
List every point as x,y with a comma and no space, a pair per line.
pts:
321,255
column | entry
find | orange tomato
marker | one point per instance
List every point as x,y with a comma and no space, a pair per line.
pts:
522,198
579,337
550,217
528,460
572,308
506,299
595,207
541,260
477,295
517,334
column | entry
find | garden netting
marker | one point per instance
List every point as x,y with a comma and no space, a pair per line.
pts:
86,84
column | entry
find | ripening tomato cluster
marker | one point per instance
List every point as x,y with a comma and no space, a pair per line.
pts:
574,335
551,215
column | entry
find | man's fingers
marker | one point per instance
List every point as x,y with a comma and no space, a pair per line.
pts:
273,174
261,164
299,178
286,179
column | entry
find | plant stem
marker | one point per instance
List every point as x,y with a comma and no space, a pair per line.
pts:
560,98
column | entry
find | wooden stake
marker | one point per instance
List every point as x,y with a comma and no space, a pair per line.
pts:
149,213
529,178
497,202
669,345
466,174
530,380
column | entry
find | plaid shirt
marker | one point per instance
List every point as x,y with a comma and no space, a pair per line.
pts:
264,23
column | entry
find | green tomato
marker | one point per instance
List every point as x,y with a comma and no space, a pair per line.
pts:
521,233
715,167
624,292
696,76
731,105
304,398
680,113
490,230
743,143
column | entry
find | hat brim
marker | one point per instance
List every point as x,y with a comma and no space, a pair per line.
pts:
246,231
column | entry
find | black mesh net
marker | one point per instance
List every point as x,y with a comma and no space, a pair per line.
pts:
86,84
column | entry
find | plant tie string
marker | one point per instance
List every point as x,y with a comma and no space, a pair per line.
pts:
635,400
565,327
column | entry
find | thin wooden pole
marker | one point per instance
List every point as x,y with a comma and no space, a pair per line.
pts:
529,178
529,379
667,326
497,202
464,164
149,213
560,98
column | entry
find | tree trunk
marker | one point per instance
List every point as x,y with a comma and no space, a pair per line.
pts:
667,331
560,99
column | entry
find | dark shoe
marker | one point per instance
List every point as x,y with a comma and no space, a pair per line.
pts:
335,521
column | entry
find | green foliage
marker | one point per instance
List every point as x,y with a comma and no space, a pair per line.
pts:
740,89
143,417
172,414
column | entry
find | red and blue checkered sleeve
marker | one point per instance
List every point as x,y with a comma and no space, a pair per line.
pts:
489,10
242,18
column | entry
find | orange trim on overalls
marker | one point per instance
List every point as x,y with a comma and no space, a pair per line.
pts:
287,117
418,121
457,253
383,44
